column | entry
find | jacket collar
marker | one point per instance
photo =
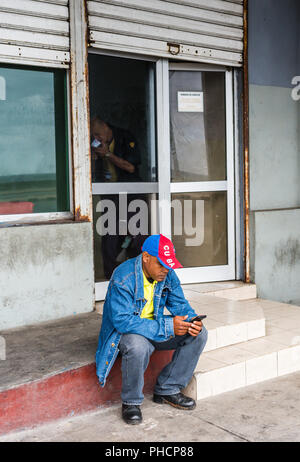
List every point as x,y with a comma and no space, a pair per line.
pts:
139,280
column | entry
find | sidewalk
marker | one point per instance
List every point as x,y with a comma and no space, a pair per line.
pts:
268,411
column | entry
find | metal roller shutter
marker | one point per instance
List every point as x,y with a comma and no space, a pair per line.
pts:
35,31
194,30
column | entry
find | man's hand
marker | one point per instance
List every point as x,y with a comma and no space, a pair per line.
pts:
116,160
101,151
181,327
195,329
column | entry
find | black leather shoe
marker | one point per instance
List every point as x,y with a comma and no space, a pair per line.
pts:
132,414
179,400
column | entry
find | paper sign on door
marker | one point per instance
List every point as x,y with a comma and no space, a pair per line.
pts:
190,101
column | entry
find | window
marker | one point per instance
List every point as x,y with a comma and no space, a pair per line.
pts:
198,126
34,170
127,105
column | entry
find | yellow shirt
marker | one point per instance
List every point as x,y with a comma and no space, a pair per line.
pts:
148,310
109,166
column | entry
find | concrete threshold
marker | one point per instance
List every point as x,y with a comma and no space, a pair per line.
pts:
49,372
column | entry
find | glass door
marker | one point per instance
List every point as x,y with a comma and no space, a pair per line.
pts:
162,162
124,166
201,172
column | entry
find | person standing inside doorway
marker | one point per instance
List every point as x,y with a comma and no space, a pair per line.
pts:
135,325
115,156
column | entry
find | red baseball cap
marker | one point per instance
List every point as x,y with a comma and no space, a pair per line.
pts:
162,248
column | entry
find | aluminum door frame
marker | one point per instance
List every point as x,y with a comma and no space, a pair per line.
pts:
130,188
204,273
164,188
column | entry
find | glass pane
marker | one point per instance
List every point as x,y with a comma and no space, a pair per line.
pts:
119,235
197,126
33,141
122,102
199,228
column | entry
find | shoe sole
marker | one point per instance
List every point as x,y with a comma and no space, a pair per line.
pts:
133,422
164,401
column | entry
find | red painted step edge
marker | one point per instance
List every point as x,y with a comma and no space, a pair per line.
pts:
68,393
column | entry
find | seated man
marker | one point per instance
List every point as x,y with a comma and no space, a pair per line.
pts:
134,324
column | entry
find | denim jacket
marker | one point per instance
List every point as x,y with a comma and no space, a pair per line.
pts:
123,306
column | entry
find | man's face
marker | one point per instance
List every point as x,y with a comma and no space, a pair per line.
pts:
153,268
101,132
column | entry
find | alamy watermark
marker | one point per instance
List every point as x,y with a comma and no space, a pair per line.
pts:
2,349
125,217
296,90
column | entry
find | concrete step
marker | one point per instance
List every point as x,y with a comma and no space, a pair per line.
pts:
233,367
233,290
49,372
53,362
228,321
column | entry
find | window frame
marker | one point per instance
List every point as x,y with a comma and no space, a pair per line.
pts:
48,217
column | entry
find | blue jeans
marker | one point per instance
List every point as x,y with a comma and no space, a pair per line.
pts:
136,351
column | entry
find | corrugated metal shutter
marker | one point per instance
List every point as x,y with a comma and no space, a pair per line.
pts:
194,30
35,31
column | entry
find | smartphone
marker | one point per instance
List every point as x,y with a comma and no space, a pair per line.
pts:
199,318
96,144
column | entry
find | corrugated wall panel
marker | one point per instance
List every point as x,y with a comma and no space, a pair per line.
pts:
199,30
35,30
